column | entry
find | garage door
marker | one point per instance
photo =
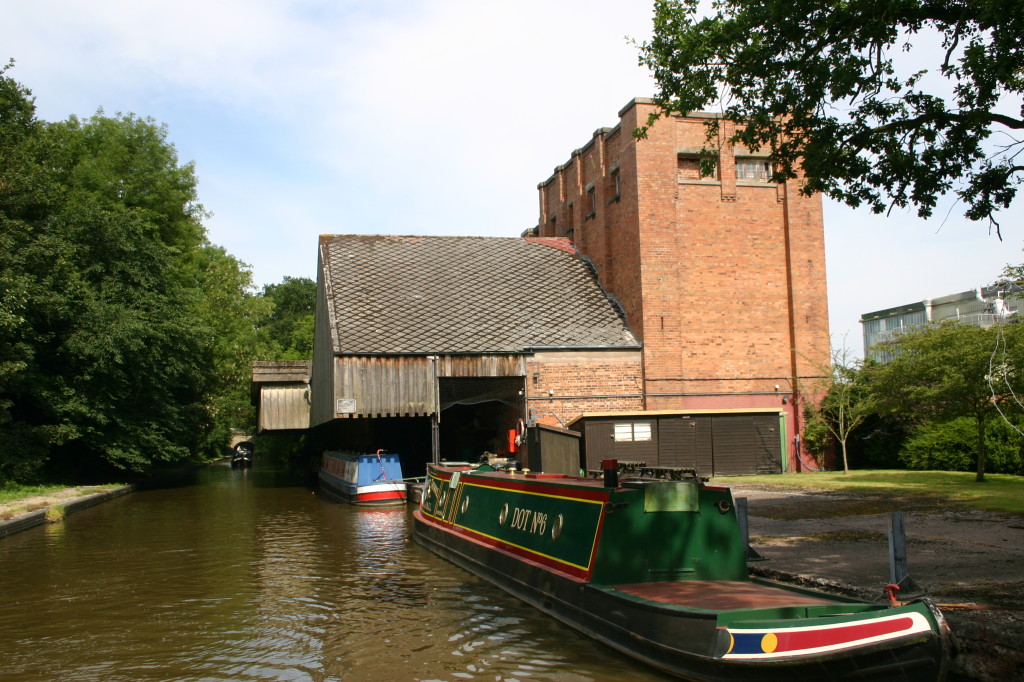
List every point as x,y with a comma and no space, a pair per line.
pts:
746,444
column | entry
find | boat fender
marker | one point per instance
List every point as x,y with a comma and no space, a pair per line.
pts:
724,506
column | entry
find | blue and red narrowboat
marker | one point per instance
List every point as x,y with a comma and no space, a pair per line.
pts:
657,570
364,479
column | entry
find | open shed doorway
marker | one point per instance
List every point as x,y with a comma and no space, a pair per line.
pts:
477,414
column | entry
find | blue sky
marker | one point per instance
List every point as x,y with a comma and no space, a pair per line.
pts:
307,117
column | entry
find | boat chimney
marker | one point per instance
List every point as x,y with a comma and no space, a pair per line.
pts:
611,472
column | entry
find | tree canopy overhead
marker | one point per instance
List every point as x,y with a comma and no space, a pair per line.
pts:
819,84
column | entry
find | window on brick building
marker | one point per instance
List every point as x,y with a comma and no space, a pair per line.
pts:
626,432
754,170
591,202
689,169
616,185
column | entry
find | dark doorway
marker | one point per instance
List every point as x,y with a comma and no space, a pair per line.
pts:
477,414
408,437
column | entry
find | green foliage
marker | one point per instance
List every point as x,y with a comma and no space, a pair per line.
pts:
836,405
283,448
944,372
14,492
289,325
126,338
231,312
951,446
817,437
1001,492
815,82
946,446
877,442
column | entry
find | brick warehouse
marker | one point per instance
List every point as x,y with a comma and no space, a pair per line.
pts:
722,278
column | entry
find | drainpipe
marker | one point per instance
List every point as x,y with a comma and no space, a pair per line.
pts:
795,403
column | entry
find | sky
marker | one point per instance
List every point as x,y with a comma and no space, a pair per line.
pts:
429,117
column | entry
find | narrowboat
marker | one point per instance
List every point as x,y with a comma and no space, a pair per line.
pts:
364,479
656,569
241,456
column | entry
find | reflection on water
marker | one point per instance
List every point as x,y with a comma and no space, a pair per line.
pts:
244,575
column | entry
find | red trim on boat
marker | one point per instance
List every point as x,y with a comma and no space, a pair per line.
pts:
525,555
814,639
385,495
573,492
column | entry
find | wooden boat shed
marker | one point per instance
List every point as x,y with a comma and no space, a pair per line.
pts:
439,347
280,392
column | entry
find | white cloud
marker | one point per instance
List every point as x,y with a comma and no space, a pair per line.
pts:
424,116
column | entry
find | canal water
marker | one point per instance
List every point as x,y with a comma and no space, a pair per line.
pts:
249,575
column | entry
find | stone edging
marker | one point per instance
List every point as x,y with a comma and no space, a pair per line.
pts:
72,505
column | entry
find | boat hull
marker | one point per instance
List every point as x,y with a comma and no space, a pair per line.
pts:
365,480
675,625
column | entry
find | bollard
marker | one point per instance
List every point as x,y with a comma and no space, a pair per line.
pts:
899,573
611,472
741,520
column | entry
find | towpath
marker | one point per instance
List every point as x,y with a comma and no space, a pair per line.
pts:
969,560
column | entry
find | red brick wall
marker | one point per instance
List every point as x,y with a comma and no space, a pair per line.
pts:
723,280
562,386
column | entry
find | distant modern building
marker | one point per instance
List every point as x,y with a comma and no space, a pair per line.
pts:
981,307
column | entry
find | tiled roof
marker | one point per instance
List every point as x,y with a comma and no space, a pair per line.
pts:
392,295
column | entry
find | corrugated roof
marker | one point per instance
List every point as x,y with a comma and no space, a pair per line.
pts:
454,295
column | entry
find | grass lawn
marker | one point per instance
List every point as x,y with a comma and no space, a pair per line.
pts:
999,492
18,499
14,493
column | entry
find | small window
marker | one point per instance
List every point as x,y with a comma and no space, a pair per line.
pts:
616,185
689,169
591,202
755,170
632,431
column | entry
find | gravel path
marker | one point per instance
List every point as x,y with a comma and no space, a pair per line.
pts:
969,560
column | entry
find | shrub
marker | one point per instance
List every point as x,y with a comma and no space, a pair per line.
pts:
952,446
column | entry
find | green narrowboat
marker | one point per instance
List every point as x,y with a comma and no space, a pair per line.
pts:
657,570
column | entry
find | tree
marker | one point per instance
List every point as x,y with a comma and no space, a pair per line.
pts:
289,325
843,406
950,370
25,197
817,83
126,338
120,372
231,312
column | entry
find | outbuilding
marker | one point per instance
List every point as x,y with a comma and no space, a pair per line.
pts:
447,347
714,442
